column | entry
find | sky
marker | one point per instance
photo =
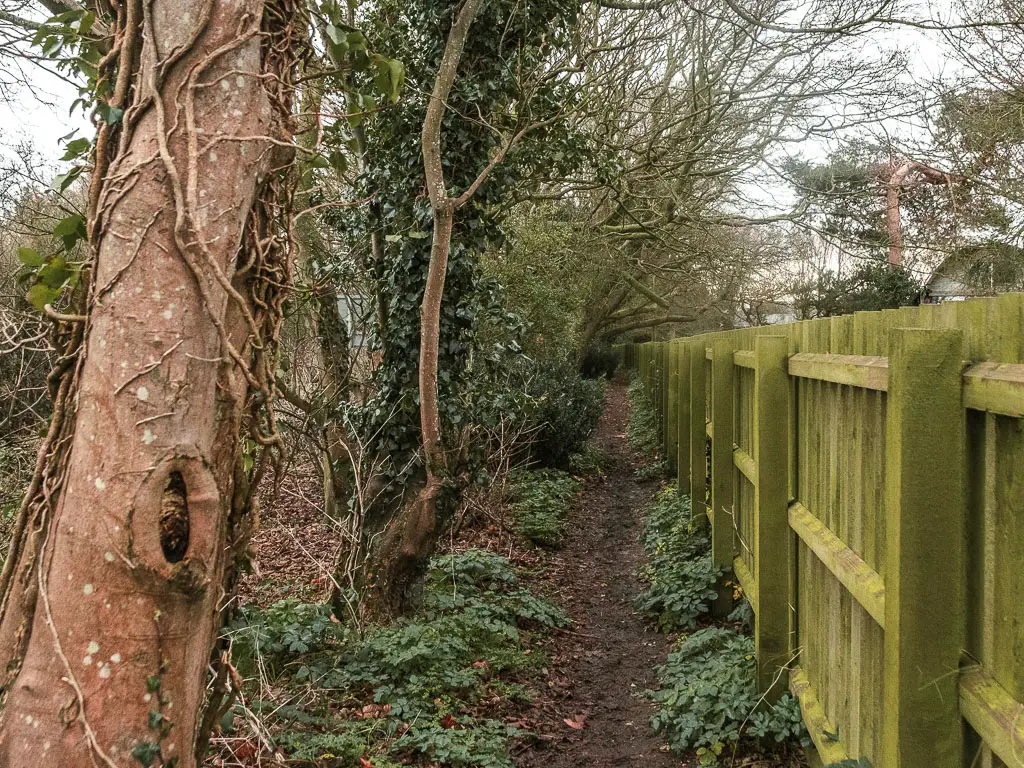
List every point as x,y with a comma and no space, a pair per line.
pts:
41,118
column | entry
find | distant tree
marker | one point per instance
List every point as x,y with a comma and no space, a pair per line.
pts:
870,286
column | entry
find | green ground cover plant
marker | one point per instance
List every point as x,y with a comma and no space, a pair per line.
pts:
423,689
642,431
541,503
707,698
679,576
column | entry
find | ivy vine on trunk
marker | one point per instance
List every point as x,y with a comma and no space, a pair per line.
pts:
127,539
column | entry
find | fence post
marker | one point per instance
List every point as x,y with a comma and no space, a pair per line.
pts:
671,411
723,470
656,385
772,536
663,348
698,459
925,576
683,418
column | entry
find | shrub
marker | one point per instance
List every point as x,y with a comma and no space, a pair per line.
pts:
541,504
599,360
538,413
679,574
568,408
402,691
708,693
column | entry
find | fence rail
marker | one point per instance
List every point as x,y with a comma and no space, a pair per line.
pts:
863,479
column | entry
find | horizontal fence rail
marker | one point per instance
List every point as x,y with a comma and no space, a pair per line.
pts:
863,480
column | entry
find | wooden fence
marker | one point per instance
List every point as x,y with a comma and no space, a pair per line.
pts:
865,487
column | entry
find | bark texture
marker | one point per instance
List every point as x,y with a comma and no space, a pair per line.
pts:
111,608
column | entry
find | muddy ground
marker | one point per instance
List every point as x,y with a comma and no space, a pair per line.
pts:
608,661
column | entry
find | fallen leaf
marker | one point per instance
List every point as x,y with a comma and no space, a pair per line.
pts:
575,723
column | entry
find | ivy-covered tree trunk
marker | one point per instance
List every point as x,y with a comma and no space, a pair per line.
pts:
409,540
427,385
127,539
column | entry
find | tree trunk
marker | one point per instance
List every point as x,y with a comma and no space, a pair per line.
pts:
408,540
335,360
130,530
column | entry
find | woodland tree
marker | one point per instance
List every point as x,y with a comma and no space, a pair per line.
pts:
508,95
127,540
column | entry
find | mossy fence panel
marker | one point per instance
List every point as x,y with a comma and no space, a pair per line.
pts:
863,477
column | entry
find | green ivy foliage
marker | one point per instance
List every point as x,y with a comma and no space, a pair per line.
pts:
508,45
679,575
404,691
642,431
707,698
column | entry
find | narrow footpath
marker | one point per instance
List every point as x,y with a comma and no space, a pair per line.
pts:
611,654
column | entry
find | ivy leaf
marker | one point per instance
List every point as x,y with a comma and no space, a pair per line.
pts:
338,161
110,115
39,295
336,35
397,70
319,161
146,752
64,180
337,45
51,46
70,229
77,148
55,273
388,76
30,257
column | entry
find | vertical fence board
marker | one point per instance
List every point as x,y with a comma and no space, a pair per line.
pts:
722,468
698,435
672,406
771,522
683,430
925,577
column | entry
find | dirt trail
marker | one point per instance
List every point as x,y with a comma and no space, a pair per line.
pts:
610,658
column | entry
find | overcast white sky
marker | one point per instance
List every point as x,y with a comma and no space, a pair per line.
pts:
43,118
40,119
